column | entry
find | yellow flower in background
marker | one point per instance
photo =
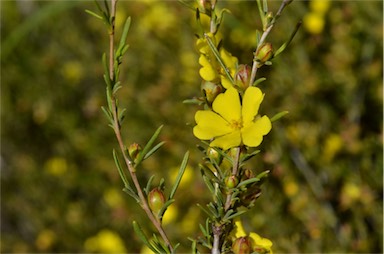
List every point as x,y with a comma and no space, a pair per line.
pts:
106,241
231,124
314,22
56,166
319,6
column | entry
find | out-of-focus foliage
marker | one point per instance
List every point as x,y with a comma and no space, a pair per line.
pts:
60,191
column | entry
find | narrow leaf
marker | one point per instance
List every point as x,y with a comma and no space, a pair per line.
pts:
232,216
217,55
258,81
148,145
180,174
147,189
121,172
130,192
249,156
154,149
279,115
94,14
248,181
139,232
165,207
124,34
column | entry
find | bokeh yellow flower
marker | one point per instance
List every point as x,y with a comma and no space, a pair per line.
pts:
314,22
231,124
106,241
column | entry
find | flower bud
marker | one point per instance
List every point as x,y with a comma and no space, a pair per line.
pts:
243,75
247,174
231,181
156,200
264,53
211,90
205,6
134,150
242,245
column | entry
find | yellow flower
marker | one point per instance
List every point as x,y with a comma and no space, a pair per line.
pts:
259,244
232,124
211,69
314,22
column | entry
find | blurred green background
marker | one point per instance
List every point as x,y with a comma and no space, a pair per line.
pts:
60,190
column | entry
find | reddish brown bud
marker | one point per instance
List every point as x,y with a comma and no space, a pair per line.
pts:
243,75
156,200
242,245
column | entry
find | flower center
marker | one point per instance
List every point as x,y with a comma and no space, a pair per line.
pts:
236,124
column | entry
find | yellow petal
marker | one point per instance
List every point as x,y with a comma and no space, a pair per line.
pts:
228,105
225,82
253,133
251,103
206,72
209,125
227,141
260,241
239,230
229,60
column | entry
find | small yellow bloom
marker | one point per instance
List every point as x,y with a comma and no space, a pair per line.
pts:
314,22
259,244
319,6
211,70
231,124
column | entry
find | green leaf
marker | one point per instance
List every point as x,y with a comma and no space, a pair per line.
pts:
279,115
258,81
139,232
121,172
232,216
148,146
285,45
165,207
180,174
130,192
209,213
263,174
249,156
154,149
107,114
124,35
147,189
94,14
248,181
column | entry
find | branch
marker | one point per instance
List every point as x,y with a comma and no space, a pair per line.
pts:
116,128
264,36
